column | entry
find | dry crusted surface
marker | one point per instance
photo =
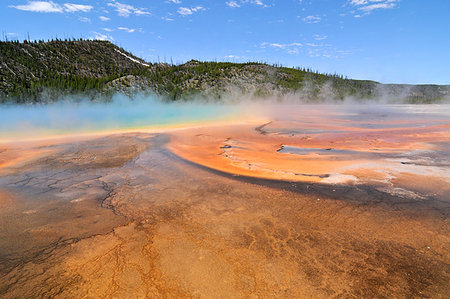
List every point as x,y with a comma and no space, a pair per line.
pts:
123,217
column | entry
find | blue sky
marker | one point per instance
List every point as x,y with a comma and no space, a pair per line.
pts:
391,41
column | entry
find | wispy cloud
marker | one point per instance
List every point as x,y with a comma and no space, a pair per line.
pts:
235,58
125,10
236,3
108,29
260,3
39,6
377,6
367,6
312,19
283,46
50,6
174,1
291,48
103,18
126,29
184,11
100,36
70,7
232,4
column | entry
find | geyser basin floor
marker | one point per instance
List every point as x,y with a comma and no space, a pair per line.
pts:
123,216
400,149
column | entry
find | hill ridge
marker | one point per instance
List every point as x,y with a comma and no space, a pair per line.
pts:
45,71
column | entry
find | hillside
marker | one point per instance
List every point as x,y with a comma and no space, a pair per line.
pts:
69,66
45,71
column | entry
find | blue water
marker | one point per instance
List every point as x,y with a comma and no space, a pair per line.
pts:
68,117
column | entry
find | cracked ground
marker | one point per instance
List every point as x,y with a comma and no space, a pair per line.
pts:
122,216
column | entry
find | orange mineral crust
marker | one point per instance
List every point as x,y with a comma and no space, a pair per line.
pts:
316,144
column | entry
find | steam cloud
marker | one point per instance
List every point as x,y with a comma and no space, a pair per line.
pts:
75,115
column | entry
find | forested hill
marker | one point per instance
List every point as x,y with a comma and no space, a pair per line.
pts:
41,71
29,68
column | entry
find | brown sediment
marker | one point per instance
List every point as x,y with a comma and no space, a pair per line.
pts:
433,186
183,231
7,201
15,156
123,216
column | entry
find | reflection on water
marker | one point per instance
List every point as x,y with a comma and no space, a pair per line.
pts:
319,151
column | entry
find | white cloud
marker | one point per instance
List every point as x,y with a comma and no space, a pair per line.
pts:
259,2
232,4
126,29
103,18
39,6
377,6
100,36
290,48
125,10
368,6
283,46
50,6
184,11
174,1
166,19
108,29
236,4
312,19
256,2
189,11
235,58
358,2
70,7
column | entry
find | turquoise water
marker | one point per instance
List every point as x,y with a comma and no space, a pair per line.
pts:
34,121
